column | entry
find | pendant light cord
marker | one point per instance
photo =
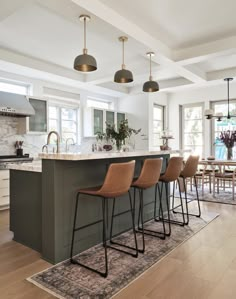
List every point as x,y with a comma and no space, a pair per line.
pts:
150,76
85,48
123,54
228,98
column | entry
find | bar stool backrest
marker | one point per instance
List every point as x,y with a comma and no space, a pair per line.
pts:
150,173
173,169
190,167
118,179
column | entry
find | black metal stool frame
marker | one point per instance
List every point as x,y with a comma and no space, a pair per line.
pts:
187,200
141,229
104,221
168,220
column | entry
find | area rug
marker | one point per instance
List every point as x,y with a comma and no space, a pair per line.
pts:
69,281
224,197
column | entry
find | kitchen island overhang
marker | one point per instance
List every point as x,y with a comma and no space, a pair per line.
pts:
62,175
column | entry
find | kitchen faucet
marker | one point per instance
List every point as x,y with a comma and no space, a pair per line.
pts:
58,140
67,145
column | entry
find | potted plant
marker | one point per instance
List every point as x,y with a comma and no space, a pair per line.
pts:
123,132
119,135
228,138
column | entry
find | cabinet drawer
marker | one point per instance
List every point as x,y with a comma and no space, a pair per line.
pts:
4,192
4,200
4,175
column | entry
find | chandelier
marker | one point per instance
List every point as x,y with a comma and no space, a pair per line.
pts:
209,113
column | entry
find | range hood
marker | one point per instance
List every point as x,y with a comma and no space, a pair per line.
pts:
12,104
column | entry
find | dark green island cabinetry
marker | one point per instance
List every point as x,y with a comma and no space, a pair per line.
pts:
42,203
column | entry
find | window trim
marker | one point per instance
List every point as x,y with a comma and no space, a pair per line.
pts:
27,86
60,106
163,108
100,100
181,123
212,123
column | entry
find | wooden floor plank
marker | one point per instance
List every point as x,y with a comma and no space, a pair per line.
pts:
202,267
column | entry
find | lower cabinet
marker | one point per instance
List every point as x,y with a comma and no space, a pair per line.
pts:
4,189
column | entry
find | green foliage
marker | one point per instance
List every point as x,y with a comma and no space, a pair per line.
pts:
123,132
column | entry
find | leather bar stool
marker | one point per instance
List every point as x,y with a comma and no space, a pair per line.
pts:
117,183
148,178
189,171
171,174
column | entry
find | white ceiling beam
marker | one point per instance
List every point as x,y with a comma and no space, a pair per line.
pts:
192,55
164,54
30,67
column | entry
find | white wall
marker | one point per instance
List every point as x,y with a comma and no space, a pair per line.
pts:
140,115
33,143
204,95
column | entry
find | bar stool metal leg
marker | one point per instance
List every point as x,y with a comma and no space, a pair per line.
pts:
145,231
133,228
73,261
189,200
181,204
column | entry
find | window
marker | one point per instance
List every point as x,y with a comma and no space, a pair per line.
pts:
14,87
98,104
64,120
219,149
192,128
158,124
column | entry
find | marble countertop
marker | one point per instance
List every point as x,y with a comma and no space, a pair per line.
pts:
35,166
104,155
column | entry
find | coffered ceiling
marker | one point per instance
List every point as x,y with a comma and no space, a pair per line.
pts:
194,41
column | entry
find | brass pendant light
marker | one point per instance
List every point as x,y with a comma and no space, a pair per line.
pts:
150,86
123,75
85,62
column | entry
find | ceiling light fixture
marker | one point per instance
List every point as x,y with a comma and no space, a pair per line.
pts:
150,86
209,113
123,75
85,62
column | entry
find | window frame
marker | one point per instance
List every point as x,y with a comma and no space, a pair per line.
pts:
182,121
59,106
212,124
16,83
110,104
163,112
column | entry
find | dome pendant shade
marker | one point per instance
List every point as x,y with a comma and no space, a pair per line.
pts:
150,86
85,62
123,75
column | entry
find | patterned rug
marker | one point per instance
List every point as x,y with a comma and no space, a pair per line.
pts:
69,281
224,197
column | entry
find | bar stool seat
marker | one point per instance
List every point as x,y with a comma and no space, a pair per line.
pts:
148,178
117,183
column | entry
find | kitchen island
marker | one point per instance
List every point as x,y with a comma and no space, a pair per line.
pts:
42,200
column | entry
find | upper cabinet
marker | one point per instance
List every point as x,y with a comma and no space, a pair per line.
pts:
120,116
110,117
38,123
95,120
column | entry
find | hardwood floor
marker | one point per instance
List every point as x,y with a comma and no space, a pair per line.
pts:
202,267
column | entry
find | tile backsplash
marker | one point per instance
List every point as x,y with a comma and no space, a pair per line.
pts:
9,134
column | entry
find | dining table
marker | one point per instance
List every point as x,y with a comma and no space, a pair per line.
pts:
218,169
